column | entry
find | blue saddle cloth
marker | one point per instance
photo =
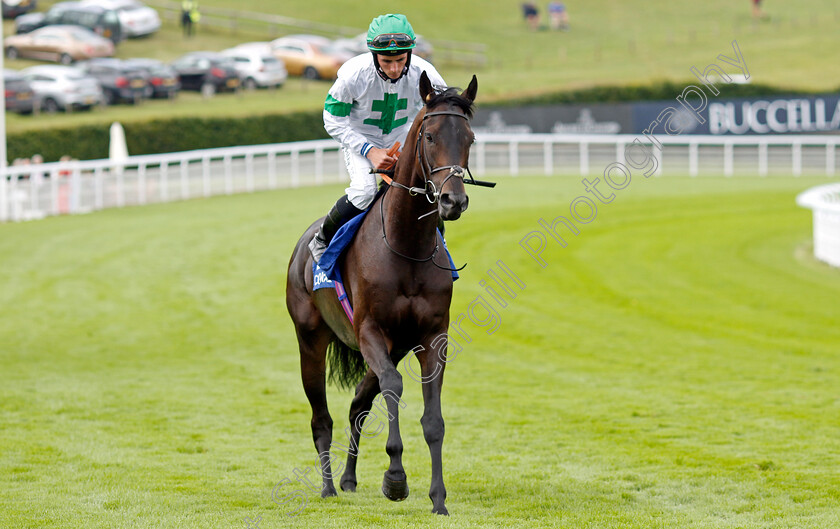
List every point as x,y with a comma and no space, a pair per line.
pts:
341,240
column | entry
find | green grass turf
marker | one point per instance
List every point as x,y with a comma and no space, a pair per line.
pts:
674,366
611,42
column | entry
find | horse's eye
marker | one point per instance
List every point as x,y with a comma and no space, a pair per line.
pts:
429,138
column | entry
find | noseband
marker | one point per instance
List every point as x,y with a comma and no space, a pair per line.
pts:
429,190
426,168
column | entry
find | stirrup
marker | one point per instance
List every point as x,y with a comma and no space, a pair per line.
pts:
317,247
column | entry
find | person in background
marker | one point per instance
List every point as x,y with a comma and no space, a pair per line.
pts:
558,16
756,9
65,171
532,15
189,16
37,174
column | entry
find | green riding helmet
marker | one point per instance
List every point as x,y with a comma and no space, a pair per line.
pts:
390,35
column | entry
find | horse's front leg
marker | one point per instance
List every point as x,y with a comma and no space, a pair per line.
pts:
432,364
376,352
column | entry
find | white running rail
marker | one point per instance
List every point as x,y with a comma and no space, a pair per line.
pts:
824,200
28,192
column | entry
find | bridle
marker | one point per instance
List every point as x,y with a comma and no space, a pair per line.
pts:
426,168
429,190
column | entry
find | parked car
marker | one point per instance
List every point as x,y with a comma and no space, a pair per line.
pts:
136,18
206,71
20,97
119,83
104,22
162,78
62,87
305,57
14,8
261,47
328,47
257,68
63,44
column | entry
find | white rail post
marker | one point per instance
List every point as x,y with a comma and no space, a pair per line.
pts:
76,190
141,183
164,182
98,188
4,195
548,157
227,162
583,148
830,148
185,179
693,165
54,202
272,170
13,199
658,154
513,158
296,167
35,182
796,157
120,189
249,173
206,185
619,152
762,158
727,158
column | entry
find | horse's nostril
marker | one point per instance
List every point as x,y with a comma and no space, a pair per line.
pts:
446,200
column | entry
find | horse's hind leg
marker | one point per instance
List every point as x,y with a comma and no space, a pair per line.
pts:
313,355
366,391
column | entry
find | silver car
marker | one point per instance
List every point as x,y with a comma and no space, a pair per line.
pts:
136,18
257,67
62,88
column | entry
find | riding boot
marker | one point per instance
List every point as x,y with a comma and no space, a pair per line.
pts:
339,214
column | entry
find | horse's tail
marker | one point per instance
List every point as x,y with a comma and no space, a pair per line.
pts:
347,367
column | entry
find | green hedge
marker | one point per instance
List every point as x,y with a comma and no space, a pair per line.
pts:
90,142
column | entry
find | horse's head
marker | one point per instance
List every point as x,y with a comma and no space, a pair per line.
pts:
443,144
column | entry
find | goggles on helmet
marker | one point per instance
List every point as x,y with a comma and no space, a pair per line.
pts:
387,41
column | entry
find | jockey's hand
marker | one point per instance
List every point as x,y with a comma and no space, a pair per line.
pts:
380,158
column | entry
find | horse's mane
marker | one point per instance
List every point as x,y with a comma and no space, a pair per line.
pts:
452,96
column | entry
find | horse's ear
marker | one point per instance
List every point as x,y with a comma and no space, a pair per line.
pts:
472,89
426,89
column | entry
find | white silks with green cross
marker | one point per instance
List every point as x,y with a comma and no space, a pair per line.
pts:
362,108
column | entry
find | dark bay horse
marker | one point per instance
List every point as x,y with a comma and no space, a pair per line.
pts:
398,279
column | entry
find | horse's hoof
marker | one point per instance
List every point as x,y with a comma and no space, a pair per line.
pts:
442,510
348,486
328,490
395,490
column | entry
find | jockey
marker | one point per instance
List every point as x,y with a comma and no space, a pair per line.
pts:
370,107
